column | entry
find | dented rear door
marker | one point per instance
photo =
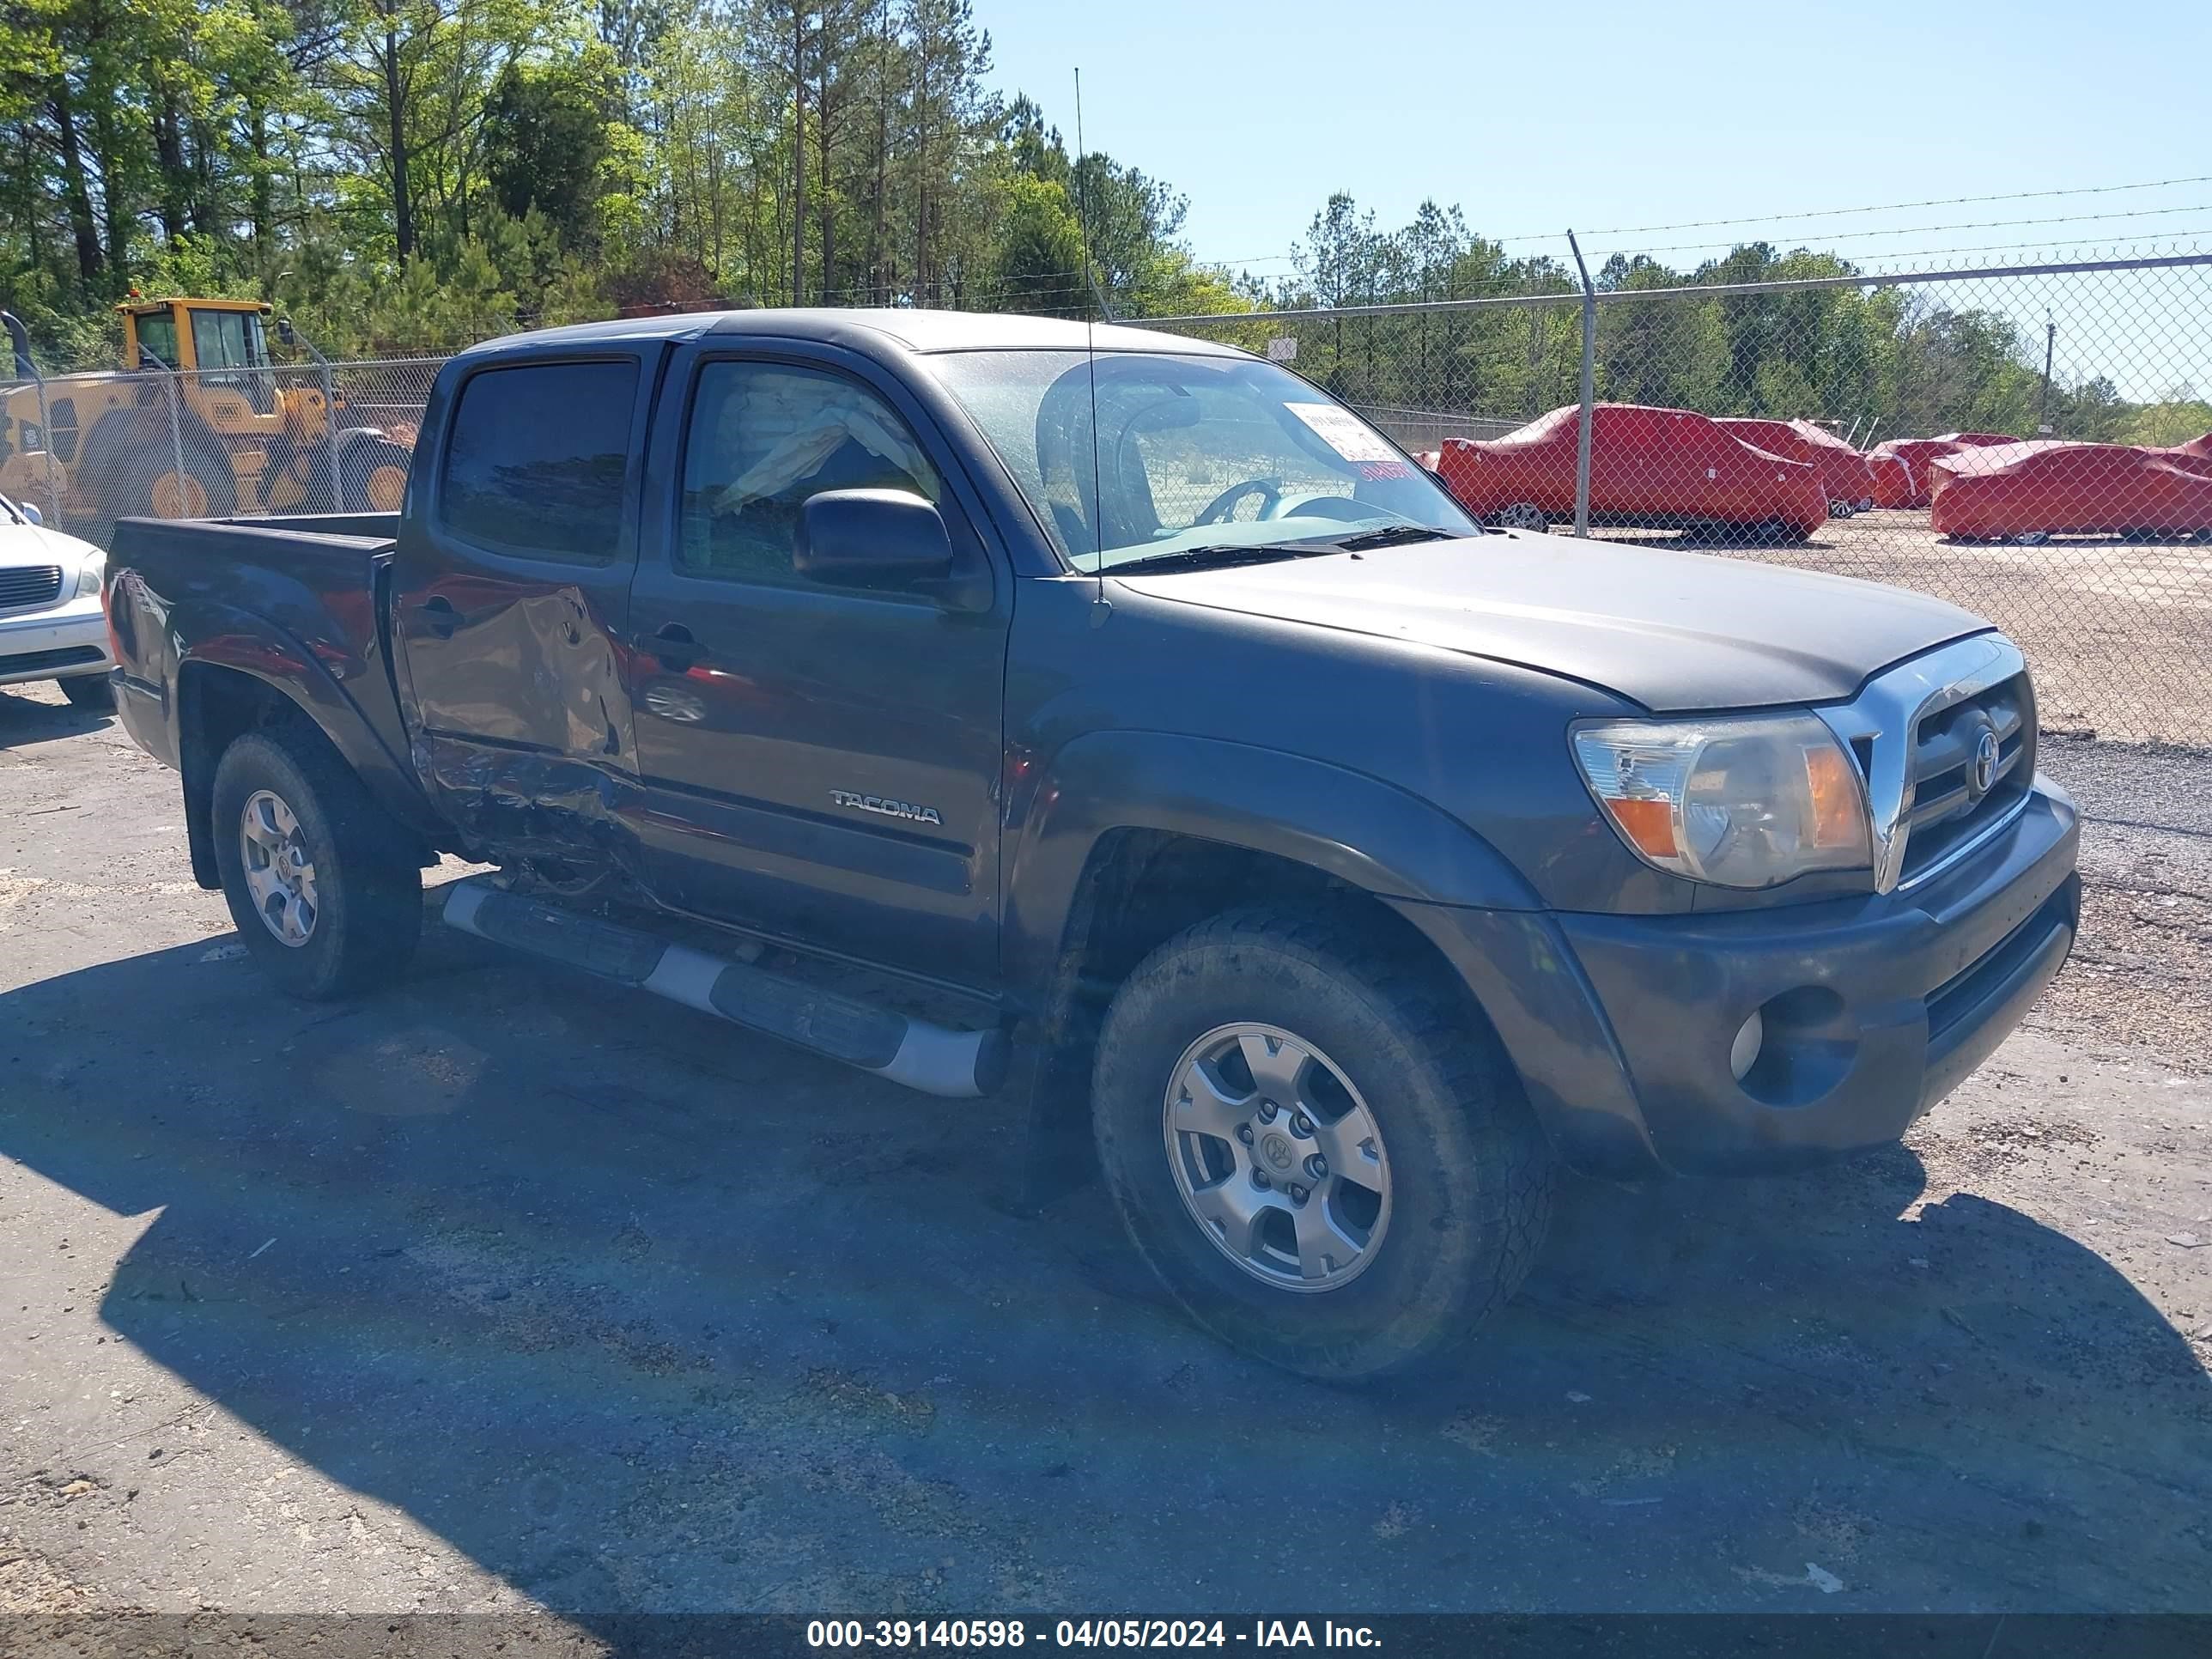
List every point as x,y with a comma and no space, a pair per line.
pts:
511,592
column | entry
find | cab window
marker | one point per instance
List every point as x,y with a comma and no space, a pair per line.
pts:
157,333
765,437
233,353
538,459
228,339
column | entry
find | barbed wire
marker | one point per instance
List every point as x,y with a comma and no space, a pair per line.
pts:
1515,237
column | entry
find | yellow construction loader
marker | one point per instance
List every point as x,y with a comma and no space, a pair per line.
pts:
241,437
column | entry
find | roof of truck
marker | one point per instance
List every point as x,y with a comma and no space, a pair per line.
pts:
915,329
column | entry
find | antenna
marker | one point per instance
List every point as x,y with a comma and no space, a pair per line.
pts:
1083,209
1098,609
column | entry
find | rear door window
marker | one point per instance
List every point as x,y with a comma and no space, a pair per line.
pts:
537,459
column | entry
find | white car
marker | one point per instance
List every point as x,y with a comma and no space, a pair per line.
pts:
52,627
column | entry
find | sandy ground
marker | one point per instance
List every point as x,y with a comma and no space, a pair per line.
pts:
497,1292
2115,628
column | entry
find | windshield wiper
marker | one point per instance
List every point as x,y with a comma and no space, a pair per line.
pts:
1396,535
1221,555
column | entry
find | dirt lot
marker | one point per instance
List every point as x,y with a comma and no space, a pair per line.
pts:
498,1292
2115,628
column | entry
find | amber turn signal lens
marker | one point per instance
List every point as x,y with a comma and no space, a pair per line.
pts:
1649,823
1838,817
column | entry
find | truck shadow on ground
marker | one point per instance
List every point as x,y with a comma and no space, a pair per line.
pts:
643,1314
24,722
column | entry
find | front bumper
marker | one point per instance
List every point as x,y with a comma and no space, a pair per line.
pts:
55,642
1873,1008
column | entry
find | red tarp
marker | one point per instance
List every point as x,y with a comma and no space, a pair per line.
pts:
2048,488
1843,471
1891,478
1664,468
1905,480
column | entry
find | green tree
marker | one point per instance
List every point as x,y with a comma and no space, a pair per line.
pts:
548,139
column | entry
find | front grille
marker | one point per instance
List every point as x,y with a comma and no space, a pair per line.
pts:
1948,813
67,656
27,585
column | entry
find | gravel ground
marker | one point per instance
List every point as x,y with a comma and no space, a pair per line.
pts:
495,1293
2115,629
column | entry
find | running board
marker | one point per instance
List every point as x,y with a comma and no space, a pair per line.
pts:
934,1059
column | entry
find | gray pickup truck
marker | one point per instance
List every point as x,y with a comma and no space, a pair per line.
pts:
1116,723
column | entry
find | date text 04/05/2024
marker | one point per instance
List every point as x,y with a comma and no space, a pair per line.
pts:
1082,1633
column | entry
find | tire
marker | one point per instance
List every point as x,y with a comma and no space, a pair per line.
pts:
136,477
1467,1173
1522,516
87,691
366,910
364,475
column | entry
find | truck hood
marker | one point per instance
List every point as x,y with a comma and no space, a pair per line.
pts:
1675,632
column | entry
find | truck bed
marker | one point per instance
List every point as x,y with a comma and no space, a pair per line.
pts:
311,588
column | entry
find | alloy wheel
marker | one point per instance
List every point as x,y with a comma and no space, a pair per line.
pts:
1278,1157
279,874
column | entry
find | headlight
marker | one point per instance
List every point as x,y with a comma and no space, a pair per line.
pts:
1747,802
87,578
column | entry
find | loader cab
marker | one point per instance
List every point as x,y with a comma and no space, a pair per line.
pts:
221,346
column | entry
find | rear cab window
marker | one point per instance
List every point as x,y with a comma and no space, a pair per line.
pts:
537,461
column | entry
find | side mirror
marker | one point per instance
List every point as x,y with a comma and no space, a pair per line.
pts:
882,538
30,512
285,333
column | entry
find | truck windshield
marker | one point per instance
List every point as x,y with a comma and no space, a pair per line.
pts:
1191,452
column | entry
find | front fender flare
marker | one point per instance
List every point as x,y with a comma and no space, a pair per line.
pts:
1369,833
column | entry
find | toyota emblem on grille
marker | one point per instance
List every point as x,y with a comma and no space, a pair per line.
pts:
1983,774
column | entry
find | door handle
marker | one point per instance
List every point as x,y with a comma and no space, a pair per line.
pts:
677,648
438,616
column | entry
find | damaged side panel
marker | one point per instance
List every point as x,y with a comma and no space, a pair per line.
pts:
511,604
516,802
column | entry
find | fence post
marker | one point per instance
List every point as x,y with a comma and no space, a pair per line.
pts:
330,427
25,367
1590,392
176,429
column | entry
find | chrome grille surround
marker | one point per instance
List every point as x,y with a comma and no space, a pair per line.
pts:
1881,728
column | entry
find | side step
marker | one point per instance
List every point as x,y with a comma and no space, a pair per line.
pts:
934,1059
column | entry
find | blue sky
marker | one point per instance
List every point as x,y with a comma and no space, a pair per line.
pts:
1603,115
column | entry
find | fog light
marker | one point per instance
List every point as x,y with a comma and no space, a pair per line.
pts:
1743,1053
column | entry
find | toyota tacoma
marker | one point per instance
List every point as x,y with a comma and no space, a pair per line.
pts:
1116,723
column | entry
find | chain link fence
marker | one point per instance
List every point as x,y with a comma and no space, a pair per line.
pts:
2032,443
312,437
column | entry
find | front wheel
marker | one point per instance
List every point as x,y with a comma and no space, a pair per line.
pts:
325,898
1323,1161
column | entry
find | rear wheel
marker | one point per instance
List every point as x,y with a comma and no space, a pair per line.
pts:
1325,1165
325,898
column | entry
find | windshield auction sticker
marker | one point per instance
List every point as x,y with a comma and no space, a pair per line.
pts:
1344,432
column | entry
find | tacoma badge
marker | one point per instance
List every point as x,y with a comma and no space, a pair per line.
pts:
889,809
